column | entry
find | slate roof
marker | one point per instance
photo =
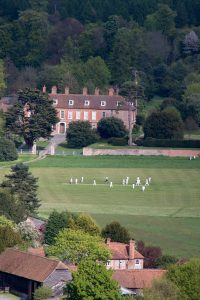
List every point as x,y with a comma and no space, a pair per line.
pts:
121,251
137,279
94,102
28,265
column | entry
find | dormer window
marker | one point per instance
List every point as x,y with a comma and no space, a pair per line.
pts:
55,101
71,102
87,103
103,103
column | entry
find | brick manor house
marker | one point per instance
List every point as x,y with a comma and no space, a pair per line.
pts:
92,108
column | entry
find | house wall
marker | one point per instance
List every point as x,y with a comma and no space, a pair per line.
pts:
116,264
80,114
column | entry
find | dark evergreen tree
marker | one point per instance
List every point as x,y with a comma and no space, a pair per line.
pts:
7,150
22,184
116,232
111,127
32,116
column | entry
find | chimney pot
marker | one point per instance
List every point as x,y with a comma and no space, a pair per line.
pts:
44,89
85,91
54,90
131,249
110,92
66,90
96,92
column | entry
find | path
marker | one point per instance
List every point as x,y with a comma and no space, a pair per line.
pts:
56,140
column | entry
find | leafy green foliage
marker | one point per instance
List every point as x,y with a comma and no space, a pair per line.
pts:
86,223
163,125
80,134
93,281
116,232
32,116
163,289
7,150
165,261
111,127
9,237
76,245
2,78
6,222
56,222
23,185
42,293
186,277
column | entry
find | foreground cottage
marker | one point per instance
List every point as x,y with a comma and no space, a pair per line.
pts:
124,256
92,108
134,281
24,272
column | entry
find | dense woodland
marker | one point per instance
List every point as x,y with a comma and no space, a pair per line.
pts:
99,43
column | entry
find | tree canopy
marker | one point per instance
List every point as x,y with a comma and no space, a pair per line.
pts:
116,232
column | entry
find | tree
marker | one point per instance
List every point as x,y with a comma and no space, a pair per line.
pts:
186,277
7,150
2,78
93,281
86,223
32,116
9,237
29,233
22,184
10,206
42,293
6,222
151,253
116,232
165,261
162,289
56,222
163,125
76,245
111,127
80,134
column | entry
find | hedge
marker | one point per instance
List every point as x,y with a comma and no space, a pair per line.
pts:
7,150
118,141
150,142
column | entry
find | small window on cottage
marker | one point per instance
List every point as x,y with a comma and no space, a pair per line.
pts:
103,103
108,263
103,114
71,102
69,115
62,114
78,115
87,103
137,262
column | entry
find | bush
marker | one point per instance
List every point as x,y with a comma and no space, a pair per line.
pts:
111,127
140,119
150,142
43,292
7,150
80,134
118,141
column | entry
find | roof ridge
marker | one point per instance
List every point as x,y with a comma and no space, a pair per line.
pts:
29,253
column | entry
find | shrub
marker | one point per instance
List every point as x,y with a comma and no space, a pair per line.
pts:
111,127
140,119
116,232
80,134
7,150
150,142
9,237
43,292
118,141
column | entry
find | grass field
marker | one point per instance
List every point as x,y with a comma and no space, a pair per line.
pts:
167,214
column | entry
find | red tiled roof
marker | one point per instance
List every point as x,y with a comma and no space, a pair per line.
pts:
28,265
121,251
137,279
94,101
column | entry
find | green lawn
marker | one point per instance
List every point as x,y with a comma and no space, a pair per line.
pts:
8,296
63,149
167,214
21,158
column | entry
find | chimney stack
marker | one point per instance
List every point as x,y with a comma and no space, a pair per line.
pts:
108,240
96,92
85,91
66,90
44,89
54,90
110,91
131,249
